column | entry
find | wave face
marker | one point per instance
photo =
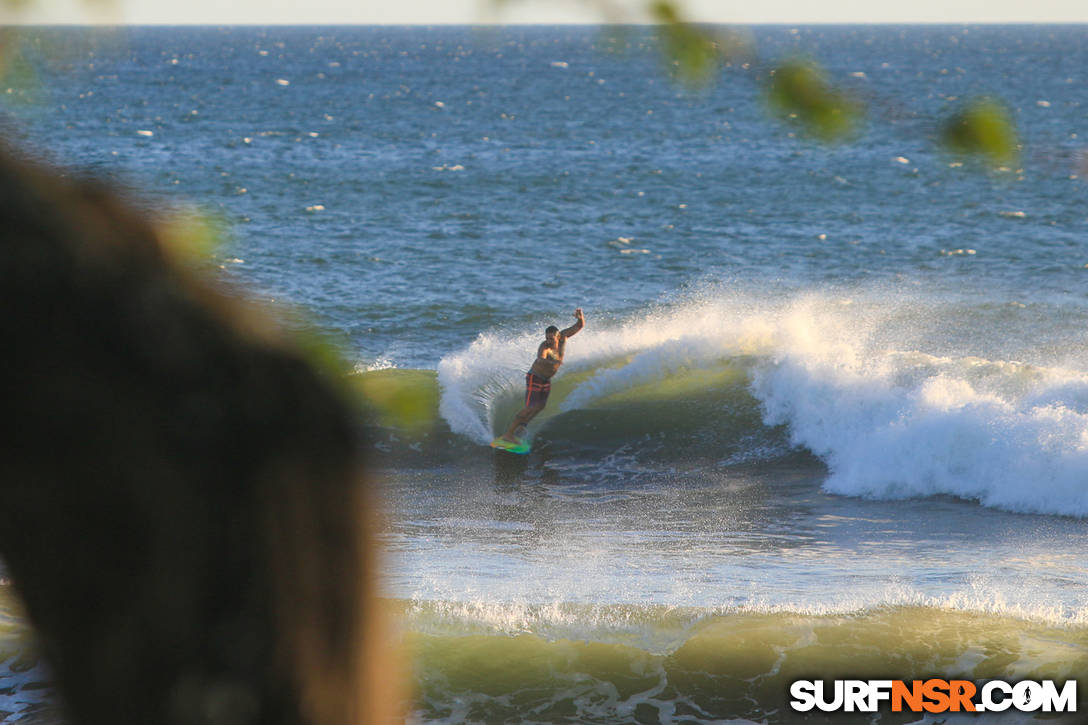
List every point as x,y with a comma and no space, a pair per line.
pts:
899,397
495,663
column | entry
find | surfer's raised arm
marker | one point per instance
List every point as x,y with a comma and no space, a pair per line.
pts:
580,322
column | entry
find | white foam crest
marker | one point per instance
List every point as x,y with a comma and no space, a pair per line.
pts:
660,628
660,360
652,628
652,347
894,424
603,345
991,596
379,363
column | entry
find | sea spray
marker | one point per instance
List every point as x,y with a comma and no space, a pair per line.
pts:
874,384
474,379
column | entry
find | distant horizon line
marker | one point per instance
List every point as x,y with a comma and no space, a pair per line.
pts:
808,23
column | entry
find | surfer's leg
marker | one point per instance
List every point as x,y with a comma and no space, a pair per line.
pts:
518,422
517,427
536,397
531,413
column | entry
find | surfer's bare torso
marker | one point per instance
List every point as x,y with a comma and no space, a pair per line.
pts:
549,356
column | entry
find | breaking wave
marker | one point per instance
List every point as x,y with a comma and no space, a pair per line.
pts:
622,663
898,398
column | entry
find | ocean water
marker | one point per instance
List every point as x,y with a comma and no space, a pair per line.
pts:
829,414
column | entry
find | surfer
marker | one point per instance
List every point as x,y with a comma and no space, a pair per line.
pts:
549,356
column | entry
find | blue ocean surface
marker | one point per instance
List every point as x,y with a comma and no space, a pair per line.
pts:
830,409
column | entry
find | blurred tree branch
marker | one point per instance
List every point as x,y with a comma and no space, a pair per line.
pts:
801,93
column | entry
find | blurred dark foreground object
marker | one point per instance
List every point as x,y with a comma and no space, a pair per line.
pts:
180,501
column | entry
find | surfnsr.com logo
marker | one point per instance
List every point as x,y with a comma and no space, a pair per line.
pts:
933,696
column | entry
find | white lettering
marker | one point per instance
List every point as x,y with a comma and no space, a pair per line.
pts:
855,695
992,705
803,694
1027,696
834,704
1065,701
879,690
993,696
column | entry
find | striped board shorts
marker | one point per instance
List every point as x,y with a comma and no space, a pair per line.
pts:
536,390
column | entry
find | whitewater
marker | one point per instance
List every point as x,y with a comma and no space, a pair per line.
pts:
895,403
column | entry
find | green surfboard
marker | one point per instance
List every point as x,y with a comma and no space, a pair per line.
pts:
521,446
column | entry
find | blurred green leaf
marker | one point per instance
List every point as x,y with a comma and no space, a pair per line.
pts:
982,127
191,236
692,52
665,12
799,91
322,354
400,399
18,76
